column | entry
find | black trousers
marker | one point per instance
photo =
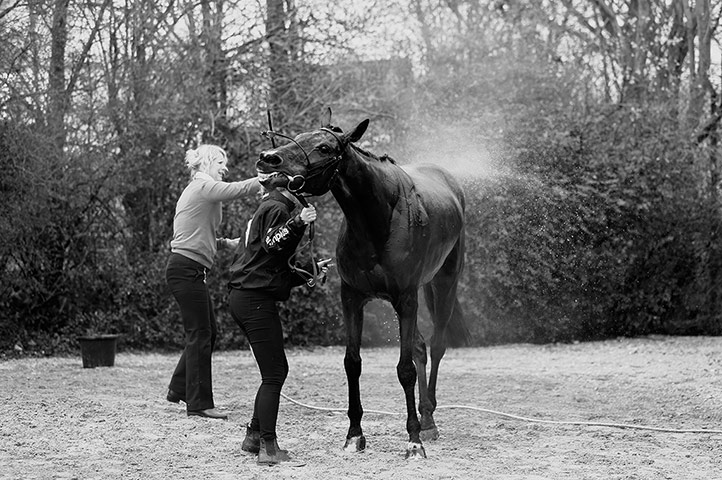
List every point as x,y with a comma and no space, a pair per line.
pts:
192,376
256,313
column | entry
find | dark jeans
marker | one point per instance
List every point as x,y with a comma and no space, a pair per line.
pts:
257,315
192,376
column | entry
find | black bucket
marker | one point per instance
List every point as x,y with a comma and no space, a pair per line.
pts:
99,350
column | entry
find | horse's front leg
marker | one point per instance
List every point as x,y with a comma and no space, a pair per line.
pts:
406,307
353,302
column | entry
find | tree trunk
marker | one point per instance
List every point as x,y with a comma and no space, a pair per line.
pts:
426,36
216,64
277,38
704,93
34,15
677,51
57,96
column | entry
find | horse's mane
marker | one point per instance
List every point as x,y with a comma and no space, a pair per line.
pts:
383,158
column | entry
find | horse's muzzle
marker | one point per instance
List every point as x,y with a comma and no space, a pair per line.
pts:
269,162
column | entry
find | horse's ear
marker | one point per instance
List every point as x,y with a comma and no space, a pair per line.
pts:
358,132
326,119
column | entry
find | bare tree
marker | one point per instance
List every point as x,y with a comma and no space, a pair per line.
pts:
57,95
216,64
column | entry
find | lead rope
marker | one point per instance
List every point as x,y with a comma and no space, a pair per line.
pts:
311,277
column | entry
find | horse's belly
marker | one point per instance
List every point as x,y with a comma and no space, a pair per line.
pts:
397,269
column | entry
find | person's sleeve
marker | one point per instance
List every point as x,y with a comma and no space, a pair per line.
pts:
281,232
224,191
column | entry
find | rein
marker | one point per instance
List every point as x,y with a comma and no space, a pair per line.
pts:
311,277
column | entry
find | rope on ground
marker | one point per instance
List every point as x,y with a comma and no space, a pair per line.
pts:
524,419
327,409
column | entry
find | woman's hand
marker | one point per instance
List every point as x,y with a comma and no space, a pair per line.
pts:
308,214
272,180
228,242
323,266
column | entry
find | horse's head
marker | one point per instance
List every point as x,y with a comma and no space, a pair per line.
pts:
311,159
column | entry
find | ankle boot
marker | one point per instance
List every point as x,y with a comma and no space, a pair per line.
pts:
282,454
270,454
252,442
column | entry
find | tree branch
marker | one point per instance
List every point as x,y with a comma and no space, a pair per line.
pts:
86,48
704,131
609,17
9,9
578,15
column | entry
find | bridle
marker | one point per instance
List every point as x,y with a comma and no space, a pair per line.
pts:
320,169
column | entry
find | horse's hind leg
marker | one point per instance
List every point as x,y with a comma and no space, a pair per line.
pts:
441,299
426,408
352,302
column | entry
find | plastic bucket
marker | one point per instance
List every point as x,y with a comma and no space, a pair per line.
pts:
98,351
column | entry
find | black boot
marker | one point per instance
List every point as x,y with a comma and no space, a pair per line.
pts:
252,442
174,397
270,454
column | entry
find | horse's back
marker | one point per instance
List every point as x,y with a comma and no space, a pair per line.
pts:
436,187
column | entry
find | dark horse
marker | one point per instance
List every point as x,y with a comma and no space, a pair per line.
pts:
403,229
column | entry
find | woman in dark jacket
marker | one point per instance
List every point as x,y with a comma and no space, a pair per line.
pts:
260,277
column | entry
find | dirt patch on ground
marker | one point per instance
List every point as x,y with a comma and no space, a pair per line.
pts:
60,420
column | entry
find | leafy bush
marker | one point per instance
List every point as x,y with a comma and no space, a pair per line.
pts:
598,235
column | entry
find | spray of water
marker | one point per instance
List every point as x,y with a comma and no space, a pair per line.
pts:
456,149
476,155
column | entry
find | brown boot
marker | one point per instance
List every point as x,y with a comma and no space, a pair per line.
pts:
270,454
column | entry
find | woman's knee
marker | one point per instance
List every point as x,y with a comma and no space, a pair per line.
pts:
276,375
200,335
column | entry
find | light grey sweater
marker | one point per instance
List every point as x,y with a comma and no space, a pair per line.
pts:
198,214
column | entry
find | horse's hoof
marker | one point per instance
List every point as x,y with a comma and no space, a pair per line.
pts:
355,444
429,434
415,450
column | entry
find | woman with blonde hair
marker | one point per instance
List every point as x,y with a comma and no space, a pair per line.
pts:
198,214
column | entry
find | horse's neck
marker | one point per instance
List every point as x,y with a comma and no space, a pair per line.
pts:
367,192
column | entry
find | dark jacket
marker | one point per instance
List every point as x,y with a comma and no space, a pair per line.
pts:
272,237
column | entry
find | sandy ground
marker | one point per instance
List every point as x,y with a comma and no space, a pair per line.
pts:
62,421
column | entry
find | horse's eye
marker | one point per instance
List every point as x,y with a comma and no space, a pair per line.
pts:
325,149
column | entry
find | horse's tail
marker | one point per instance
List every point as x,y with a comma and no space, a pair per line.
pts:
457,333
